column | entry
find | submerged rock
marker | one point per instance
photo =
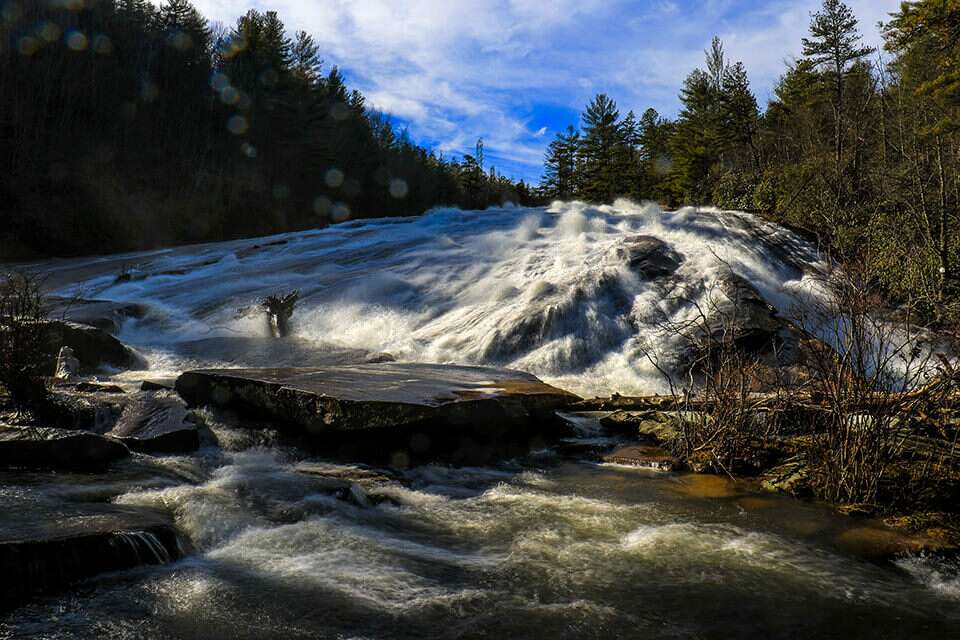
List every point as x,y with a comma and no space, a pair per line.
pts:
49,448
42,551
157,423
399,411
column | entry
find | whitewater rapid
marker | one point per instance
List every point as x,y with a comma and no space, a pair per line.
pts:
546,290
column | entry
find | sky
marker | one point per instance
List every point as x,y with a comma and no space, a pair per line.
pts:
515,72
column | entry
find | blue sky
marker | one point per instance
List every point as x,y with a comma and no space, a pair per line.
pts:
517,71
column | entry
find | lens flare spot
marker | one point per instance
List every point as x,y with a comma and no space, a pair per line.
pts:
398,188
76,41
333,178
237,125
340,212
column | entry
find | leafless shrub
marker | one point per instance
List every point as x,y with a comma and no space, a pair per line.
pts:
730,390
22,335
874,372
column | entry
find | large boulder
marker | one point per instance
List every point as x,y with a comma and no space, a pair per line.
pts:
45,549
157,423
649,257
402,409
93,347
49,448
739,312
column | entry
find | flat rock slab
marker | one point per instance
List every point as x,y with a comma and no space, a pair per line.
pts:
44,549
371,396
49,448
157,423
642,456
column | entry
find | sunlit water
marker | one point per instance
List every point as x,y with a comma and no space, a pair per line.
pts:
547,291
537,547
540,546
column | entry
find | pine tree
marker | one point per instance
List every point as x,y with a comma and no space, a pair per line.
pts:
739,113
833,46
598,149
560,165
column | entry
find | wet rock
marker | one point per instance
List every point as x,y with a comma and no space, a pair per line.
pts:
96,387
739,313
656,427
102,314
643,456
158,384
397,412
43,551
93,347
791,477
358,397
50,448
84,409
649,257
157,423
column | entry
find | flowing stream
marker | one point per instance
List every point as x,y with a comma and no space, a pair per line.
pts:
538,546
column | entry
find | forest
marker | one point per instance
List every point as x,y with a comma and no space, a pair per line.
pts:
126,126
858,148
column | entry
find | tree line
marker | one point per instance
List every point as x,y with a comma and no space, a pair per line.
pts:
857,147
125,125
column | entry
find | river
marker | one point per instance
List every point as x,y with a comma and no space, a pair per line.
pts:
543,545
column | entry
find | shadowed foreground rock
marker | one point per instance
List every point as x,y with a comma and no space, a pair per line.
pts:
48,448
42,551
157,423
395,410
93,347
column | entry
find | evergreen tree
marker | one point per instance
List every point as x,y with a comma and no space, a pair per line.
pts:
834,46
598,150
560,166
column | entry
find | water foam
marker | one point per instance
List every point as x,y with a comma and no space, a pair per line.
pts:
546,290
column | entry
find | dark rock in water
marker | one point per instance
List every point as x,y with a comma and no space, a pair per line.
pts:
41,552
649,257
740,313
158,384
106,315
96,387
90,411
642,456
49,448
656,426
157,423
399,412
95,348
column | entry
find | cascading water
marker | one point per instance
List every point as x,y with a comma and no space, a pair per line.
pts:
557,291
534,547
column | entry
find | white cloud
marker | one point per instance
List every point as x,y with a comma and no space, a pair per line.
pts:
457,70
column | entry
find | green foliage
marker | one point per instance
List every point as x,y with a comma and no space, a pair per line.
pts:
126,125
863,157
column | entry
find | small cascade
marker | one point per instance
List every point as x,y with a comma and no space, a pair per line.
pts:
147,548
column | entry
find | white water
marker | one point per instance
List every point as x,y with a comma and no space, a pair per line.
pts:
543,290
